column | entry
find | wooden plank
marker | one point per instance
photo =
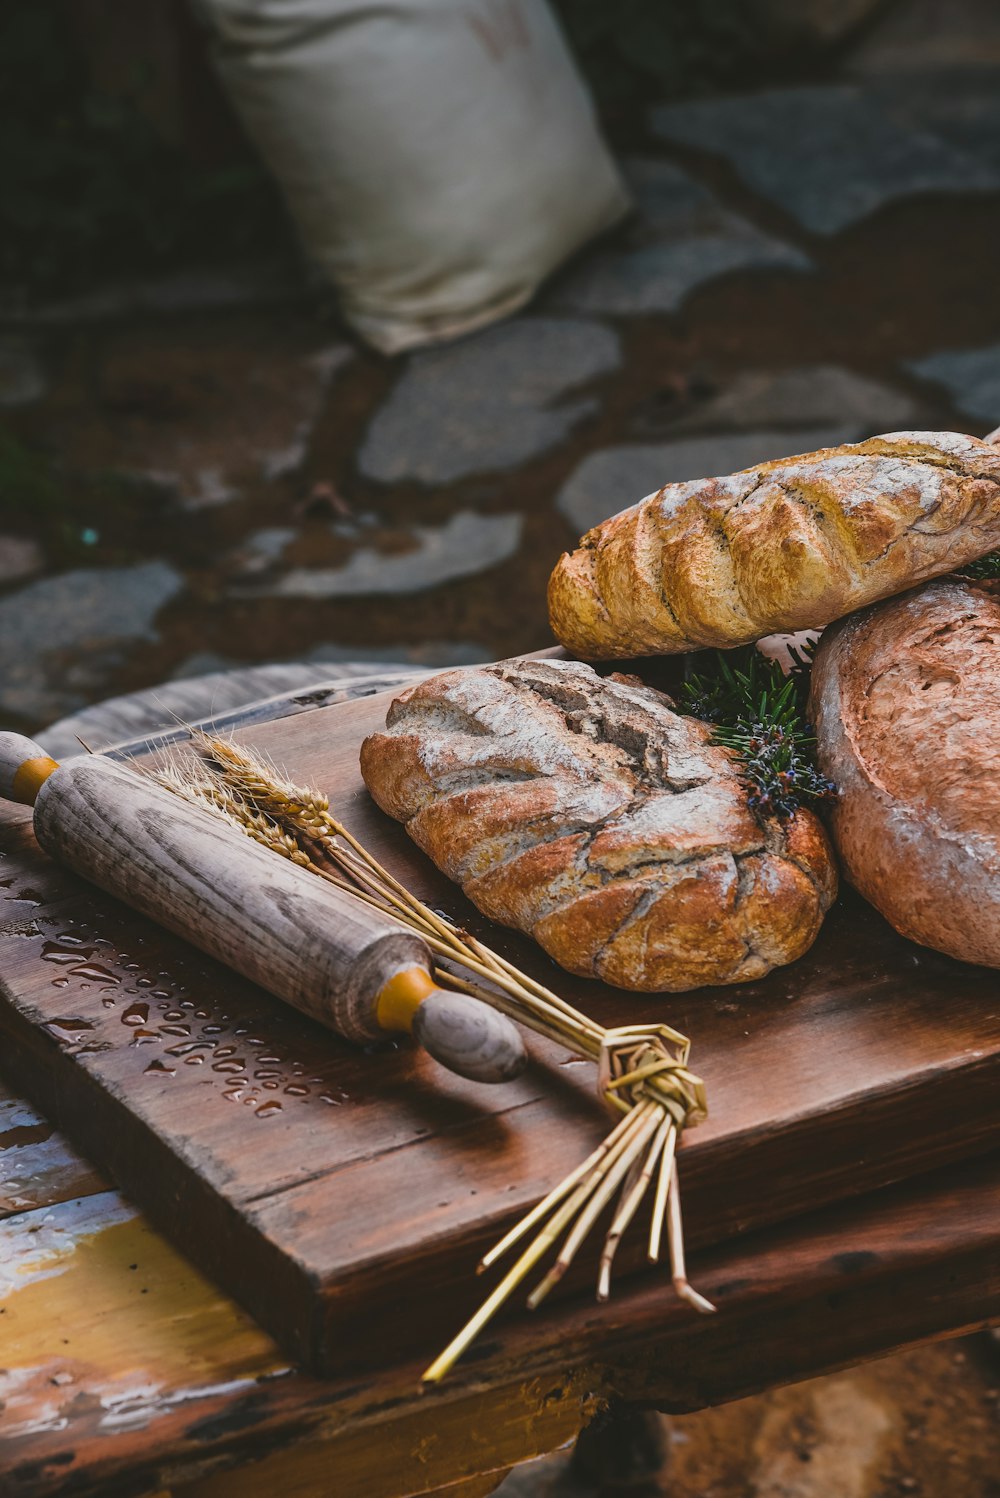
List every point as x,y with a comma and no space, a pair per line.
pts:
224,698
122,1380
38,1166
351,1217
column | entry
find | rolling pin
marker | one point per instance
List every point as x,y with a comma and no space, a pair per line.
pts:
304,940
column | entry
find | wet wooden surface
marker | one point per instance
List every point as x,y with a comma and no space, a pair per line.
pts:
344,1197
126,1372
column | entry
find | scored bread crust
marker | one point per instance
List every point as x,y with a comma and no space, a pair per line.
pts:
906,701
784,546
588,814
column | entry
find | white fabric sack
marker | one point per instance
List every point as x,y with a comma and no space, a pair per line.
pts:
440,157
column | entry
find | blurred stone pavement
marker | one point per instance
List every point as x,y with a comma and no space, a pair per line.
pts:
923,1423
203,473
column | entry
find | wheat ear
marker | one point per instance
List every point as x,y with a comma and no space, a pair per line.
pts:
643,1071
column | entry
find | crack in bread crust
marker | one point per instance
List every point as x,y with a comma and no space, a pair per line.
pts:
787,545
590,815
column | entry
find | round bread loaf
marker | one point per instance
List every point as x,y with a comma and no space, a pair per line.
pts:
906,702
785,546
588,814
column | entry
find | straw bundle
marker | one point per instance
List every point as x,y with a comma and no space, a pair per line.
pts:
643,1073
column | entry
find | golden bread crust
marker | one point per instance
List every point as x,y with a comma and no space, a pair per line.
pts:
906,701
588,814
789,545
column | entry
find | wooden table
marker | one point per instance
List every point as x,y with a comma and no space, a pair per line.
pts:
126,1371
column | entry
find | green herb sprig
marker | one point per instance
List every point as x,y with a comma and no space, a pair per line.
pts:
984,567
761,714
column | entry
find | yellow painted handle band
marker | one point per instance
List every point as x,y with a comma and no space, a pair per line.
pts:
30,777
401,997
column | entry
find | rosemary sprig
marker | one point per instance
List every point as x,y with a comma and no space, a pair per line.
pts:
761,714
643,1071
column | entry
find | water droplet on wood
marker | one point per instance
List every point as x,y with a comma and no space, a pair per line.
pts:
98,974
144,1037
69,1026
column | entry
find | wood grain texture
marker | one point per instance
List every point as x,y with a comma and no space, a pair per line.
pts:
16,751
261,915
127,1373
469,1038
345,1197
220,698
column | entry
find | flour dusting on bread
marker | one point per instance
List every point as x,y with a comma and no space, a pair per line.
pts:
589,814
906,701
788,545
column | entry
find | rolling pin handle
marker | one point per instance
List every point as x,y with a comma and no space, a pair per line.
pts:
170,860
24,768
469,1037
462,1033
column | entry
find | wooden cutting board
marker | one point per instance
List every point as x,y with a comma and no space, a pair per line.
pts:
345,1197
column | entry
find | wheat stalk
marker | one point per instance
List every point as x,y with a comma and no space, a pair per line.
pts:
643,1071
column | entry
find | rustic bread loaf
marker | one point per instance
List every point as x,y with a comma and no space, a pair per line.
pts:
588,814
906,702
784,546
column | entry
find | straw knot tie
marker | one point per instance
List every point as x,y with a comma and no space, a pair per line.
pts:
648,1063
644,1075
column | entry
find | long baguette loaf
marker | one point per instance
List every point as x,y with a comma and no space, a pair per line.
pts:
588,814
785,546
906,701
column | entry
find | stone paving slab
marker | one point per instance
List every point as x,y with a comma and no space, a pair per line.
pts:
971,377
617,477
828,155
488,402
814,395
240,411
962,107
464,546
261,551
89,615
680,238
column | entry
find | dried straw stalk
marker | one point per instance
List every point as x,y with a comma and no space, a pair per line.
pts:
643,1073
